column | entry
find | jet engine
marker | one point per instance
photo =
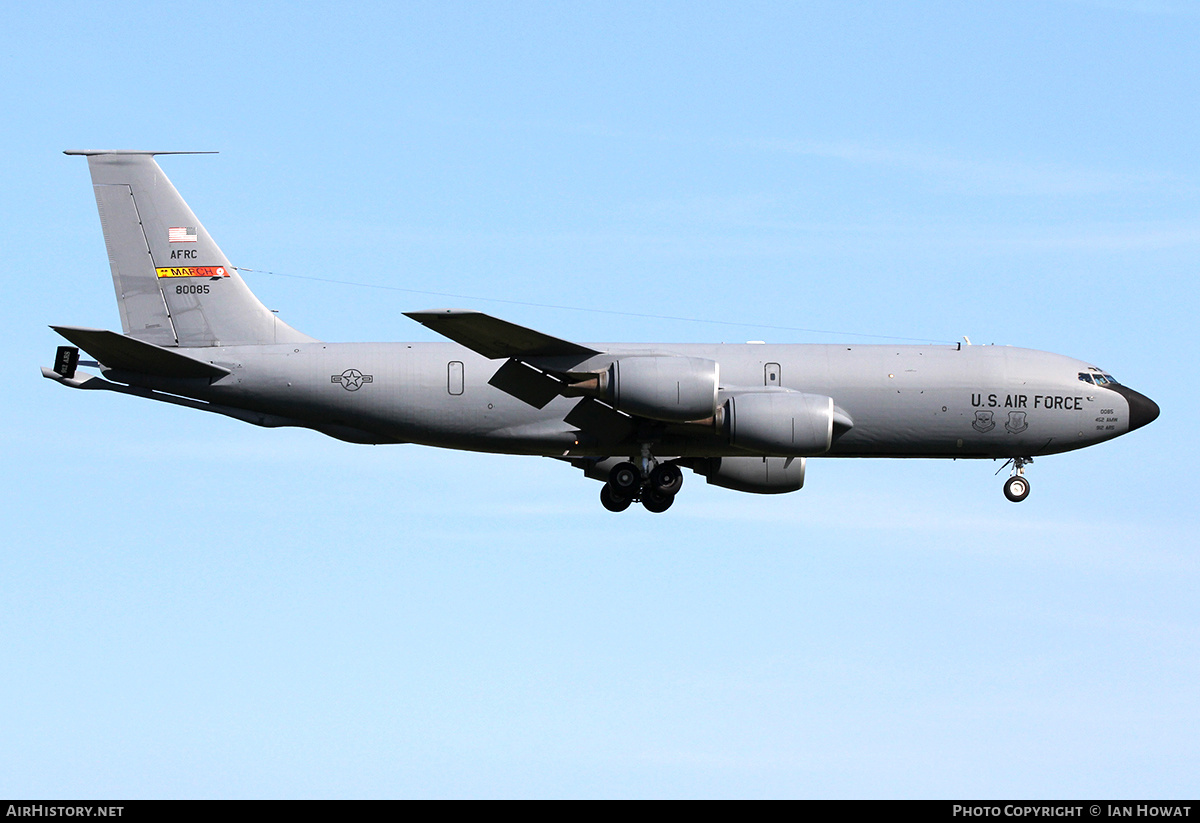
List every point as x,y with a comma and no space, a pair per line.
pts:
779,422
673,389
757,475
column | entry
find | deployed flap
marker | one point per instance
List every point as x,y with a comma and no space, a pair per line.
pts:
495,338
117,351
526,383
603,422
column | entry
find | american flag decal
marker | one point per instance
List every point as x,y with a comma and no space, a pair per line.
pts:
181,234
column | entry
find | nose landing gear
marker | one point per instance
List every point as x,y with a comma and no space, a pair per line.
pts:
1016,487
655,488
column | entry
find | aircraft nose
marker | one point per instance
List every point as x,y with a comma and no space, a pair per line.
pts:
1142,409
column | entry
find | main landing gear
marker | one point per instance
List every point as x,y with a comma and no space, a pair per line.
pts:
655,489
1016,487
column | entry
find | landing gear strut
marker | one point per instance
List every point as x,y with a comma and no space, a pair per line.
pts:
1016,487
654,485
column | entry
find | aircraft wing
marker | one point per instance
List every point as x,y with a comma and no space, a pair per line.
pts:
494,338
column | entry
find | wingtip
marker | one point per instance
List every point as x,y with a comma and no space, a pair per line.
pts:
427,313
93,152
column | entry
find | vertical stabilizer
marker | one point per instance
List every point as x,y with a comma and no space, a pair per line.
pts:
174,285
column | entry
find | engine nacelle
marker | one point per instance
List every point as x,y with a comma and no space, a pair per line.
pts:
673,389
757,475
780,422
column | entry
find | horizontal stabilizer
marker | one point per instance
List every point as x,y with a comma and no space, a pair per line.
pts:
117,351
495,338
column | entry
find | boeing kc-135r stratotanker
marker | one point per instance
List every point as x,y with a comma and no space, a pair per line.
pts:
630,415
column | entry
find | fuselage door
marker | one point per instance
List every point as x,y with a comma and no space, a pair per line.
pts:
454,377
772,375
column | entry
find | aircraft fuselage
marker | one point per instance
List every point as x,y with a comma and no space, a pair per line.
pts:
904,401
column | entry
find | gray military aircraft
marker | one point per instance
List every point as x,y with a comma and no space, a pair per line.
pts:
745,417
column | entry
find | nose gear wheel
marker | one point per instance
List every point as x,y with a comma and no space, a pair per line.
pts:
1016,487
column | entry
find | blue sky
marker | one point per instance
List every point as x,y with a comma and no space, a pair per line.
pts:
193,607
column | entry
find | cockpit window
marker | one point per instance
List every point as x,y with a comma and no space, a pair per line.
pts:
1099,378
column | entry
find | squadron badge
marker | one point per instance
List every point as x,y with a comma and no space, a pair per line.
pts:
1016,423
985,421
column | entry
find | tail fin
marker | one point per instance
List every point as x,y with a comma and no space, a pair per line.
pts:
174,286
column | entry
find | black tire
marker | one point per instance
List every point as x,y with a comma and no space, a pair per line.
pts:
657,502
625,480
666,478
612,502
1016,488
